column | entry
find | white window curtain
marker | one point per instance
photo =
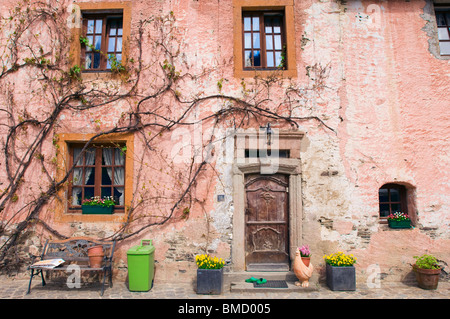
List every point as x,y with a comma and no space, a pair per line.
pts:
119,172
77,176
78,172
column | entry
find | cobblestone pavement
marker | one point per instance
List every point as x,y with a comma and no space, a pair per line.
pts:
179,300
16,289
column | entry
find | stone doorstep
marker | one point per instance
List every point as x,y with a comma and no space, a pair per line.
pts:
235,281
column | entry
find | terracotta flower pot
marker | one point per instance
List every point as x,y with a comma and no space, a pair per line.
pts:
427,278
95,254
306,260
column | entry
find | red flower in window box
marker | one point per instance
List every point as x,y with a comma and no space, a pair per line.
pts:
97,205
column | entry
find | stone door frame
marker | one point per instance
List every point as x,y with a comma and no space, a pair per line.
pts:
289,166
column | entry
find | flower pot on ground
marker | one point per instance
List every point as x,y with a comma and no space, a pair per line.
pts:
340,272
97,205
427,271
302,267
96,254
399,220
209,275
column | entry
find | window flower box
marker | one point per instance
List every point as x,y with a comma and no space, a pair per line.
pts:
399,220
97,205
89,209
399,223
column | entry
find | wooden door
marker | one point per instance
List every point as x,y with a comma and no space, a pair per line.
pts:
266,218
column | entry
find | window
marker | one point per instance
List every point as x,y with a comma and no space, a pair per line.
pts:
91,174
252,153
264,44
98,171
104,41
392,198
104,33
264,38
443,24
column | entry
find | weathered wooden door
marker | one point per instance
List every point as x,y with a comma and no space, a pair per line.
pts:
266,218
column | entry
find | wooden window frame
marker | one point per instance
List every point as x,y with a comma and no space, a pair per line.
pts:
104,53
242,6
100,7
402,199
98,170
444,9
262,15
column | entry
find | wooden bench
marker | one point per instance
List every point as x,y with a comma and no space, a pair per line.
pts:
75,251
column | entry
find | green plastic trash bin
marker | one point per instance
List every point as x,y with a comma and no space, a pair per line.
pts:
141,266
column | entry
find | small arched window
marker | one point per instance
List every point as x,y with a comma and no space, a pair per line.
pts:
392,198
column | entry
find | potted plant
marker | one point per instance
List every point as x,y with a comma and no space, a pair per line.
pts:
98,205
399,220
96,254
209,274
305,254
427,271
340,271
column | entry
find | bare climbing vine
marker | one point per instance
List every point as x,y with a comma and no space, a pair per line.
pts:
159,92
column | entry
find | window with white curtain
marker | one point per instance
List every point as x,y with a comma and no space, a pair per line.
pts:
98,171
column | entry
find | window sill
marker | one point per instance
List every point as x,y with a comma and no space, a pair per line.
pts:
77,216
289,73
79,212
95,71
99,75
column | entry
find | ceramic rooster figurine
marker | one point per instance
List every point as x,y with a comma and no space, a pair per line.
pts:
302,271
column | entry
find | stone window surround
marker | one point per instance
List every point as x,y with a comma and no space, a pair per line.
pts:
290,166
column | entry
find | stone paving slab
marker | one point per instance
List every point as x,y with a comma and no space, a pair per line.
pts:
179,300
